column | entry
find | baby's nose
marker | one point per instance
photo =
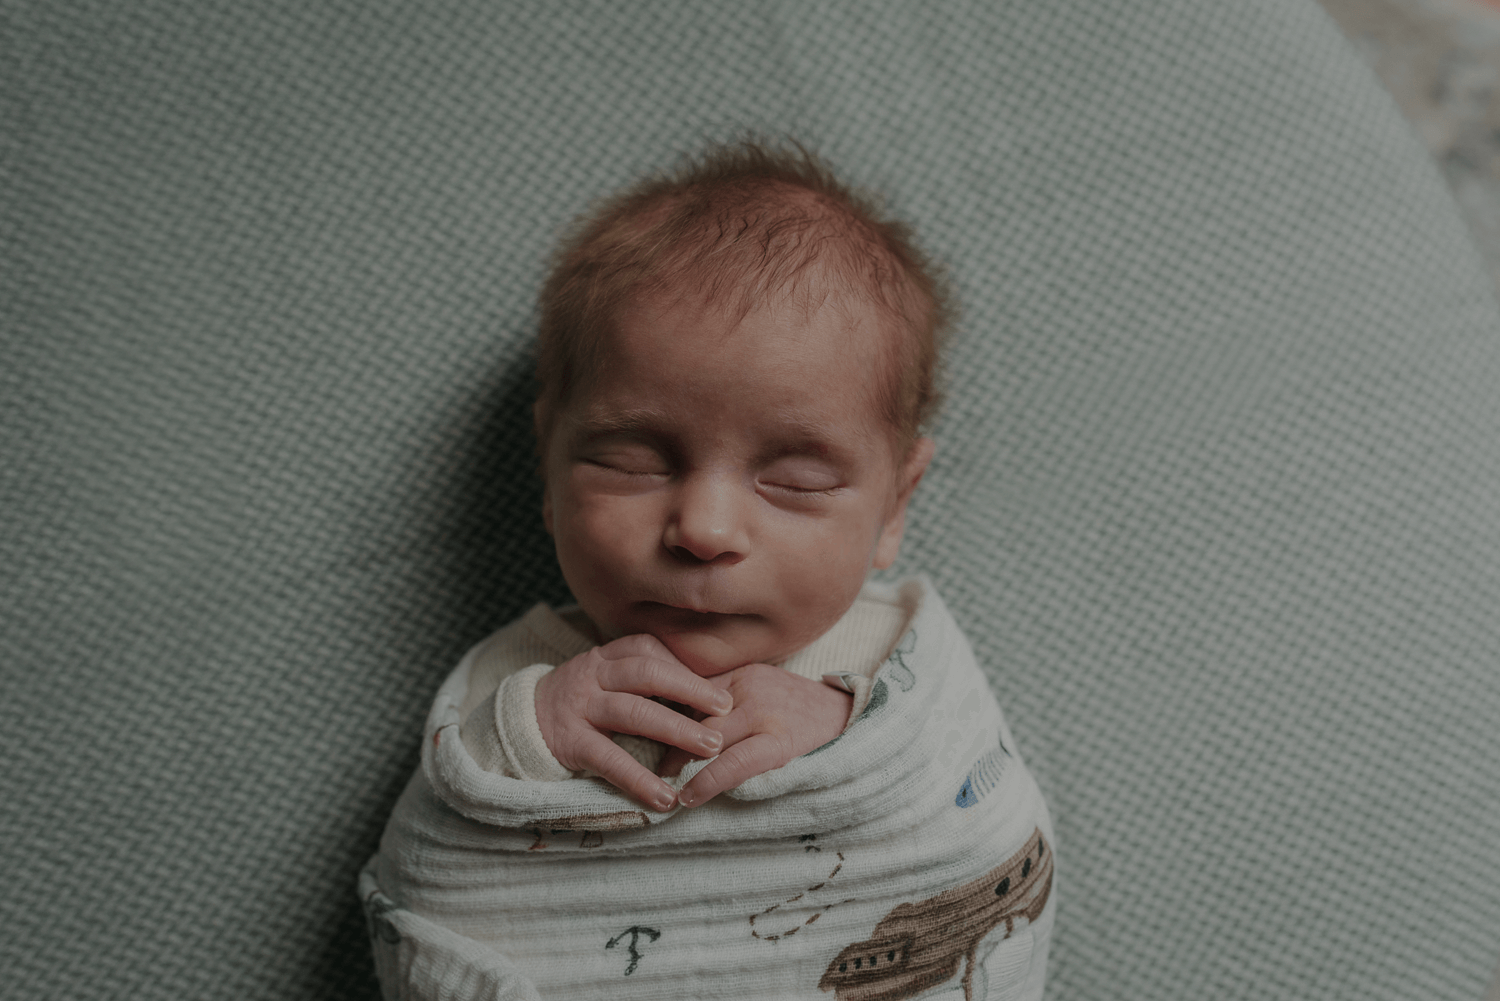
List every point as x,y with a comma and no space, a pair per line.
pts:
708,524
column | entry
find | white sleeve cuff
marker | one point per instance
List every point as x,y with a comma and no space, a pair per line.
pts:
482,741
515,722
502,734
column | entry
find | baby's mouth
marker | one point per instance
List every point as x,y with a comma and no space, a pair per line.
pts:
680,617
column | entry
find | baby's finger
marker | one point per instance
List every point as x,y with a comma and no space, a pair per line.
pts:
622,712
611,763
637,645
733,728
757,753
651,675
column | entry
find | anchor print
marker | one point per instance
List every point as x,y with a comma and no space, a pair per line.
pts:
635,932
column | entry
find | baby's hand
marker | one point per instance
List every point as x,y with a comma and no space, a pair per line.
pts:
777,716
606,690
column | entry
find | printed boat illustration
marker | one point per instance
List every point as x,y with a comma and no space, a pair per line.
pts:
917,946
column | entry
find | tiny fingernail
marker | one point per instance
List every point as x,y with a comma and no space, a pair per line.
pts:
663,802
724,702
714,740
686,798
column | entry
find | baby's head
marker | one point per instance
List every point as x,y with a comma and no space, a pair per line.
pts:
735,364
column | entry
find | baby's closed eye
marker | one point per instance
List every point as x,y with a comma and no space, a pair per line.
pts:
801,474
630,459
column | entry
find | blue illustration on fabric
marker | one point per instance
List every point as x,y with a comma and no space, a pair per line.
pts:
896,669
899,670
878,694
983,776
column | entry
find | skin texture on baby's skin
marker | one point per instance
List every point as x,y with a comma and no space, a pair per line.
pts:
718,490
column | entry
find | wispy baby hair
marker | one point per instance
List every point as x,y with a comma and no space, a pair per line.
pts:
741,225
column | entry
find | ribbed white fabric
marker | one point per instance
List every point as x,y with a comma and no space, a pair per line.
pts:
910,857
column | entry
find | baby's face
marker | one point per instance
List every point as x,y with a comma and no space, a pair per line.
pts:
725,486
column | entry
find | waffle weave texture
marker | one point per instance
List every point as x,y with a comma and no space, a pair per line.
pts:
1217,498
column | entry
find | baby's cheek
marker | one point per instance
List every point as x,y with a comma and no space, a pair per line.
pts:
827,576
593,549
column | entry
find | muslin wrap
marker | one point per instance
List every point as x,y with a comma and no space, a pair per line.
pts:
911,857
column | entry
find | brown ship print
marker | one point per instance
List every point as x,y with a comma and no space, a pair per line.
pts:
591,824
917,946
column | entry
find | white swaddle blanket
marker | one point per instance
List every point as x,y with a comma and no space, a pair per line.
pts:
911,857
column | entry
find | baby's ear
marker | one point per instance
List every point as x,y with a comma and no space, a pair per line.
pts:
912,467
917,461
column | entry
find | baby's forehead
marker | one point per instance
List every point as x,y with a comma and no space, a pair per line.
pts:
797,353
749,322
817,302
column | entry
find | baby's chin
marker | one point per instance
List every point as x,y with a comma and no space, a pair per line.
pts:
706,654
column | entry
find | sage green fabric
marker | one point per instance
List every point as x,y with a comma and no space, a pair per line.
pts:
1217,497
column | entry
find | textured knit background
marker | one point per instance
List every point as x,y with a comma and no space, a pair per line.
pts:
1218,495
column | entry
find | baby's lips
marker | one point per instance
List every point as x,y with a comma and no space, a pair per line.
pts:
684,617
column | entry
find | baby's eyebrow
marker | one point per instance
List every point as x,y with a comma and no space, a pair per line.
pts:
628,423
797,436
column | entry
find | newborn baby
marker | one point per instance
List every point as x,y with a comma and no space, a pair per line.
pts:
735,363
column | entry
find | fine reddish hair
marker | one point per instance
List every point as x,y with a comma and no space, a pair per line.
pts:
742,225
